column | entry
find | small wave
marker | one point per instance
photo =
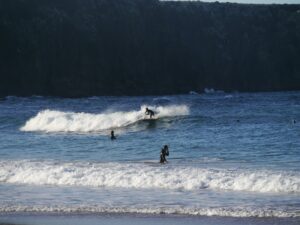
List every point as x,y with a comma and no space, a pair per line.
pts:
58,121
212,91
94,98
162,100
13,98
193,93
16,98
136,175
180,210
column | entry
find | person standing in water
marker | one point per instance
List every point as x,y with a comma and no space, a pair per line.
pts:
163,153
149,112
112,135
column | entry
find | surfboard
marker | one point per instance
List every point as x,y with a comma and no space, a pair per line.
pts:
148,119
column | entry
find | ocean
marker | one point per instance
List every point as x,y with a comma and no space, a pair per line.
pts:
231,155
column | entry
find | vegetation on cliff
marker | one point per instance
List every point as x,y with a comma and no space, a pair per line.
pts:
76,48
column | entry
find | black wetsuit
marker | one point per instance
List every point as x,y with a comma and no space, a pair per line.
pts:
164,152
149,112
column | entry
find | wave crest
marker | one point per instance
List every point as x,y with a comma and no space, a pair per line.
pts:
58,121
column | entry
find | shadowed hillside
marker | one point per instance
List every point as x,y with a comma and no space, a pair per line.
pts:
79,48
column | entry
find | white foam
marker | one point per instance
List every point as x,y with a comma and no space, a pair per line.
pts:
212,211
58,121
136,175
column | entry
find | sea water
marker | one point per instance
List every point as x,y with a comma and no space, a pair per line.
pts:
234,155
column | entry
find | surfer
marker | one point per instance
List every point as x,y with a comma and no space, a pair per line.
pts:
149,112
112,135
163,153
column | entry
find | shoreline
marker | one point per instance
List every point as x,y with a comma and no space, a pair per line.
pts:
134,218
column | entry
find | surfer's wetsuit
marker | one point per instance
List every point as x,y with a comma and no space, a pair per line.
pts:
149,112
163,153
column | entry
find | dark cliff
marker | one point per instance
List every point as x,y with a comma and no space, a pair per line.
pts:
138,47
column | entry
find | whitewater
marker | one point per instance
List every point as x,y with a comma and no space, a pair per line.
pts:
231,155
143,176
57,121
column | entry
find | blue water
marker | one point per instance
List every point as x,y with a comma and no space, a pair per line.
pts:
230,155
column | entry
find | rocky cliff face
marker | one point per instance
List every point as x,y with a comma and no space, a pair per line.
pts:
137,47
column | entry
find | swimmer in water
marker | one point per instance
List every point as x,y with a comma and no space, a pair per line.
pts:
112,135
163,153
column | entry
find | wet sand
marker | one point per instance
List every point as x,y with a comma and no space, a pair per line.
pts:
137,219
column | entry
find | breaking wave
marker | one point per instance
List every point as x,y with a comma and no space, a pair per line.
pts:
212,211
135,175
58,121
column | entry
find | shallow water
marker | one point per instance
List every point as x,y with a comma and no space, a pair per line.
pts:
230,155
